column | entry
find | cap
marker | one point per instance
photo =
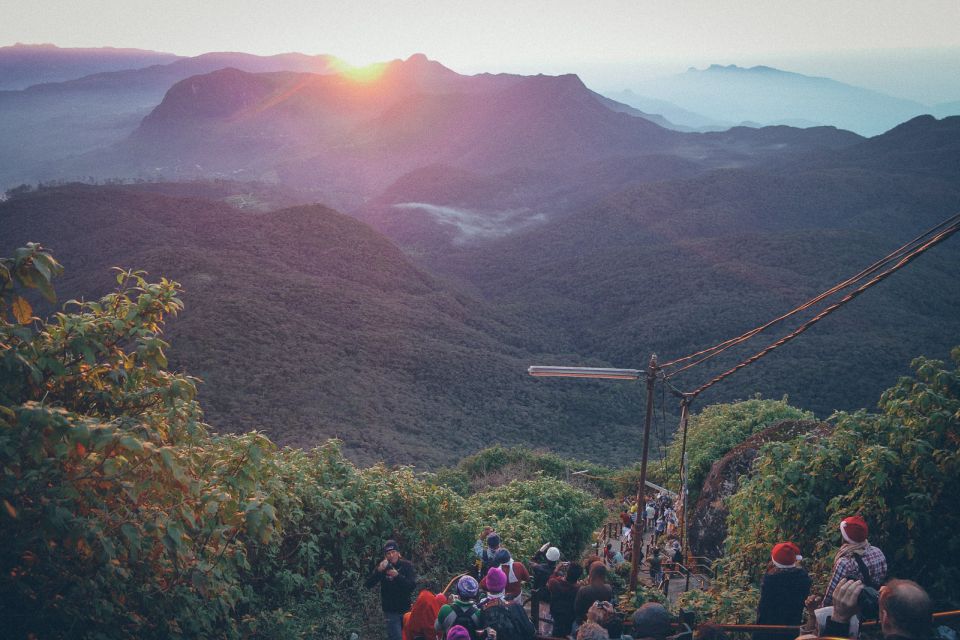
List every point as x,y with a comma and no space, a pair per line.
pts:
785,555
854,529
496,580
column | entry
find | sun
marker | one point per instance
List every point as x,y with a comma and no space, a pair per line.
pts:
361,74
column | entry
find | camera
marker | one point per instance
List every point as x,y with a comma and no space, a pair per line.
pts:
869,603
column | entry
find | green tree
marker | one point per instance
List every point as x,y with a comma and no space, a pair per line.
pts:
899,468
717,429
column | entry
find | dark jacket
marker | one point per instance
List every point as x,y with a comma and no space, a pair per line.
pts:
563,594
587,596
781,599
395,592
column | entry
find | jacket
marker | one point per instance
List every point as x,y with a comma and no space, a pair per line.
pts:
395,592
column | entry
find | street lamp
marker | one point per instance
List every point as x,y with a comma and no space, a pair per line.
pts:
584,372
619,374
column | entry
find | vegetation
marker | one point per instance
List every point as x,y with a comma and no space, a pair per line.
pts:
717,429
899,468
123,516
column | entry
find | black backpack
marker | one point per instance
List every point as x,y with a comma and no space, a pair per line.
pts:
467,616
510,622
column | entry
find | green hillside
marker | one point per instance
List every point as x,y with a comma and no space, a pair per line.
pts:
310,325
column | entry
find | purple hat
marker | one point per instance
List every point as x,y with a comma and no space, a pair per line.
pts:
496,580
458,632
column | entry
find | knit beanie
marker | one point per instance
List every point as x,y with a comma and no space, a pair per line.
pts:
458,632
785,555
853,529
496,581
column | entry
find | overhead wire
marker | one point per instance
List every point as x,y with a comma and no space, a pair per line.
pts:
715,350
904,261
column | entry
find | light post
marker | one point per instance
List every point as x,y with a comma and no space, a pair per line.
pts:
619,374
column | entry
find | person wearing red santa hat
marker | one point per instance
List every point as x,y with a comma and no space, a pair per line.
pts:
857,559
783,590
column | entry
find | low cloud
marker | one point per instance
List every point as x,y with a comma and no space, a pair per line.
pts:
474,224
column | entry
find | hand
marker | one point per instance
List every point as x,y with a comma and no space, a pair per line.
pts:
812,603
392,573
845,598
491,634
383,565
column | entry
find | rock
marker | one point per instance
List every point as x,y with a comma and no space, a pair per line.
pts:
707,528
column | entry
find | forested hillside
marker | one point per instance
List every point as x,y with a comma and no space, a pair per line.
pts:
310,325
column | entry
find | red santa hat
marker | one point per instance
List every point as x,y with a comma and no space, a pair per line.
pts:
853,529
785,555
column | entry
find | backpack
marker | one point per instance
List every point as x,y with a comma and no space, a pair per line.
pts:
468,617
510,622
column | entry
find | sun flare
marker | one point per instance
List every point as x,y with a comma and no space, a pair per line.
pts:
360,73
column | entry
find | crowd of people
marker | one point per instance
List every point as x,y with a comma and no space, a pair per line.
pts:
576,599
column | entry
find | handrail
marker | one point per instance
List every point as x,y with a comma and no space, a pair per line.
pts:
787,629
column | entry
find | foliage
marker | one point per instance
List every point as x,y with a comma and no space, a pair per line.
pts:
732,606
717,429
900,469
123,516
493,465
529,513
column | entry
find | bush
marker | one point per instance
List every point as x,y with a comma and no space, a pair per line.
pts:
900,469
716,430
529,513
124,517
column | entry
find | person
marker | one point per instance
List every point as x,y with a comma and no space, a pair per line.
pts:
596,589
660,528
906,611
397,579
463,611
515,571
493,546
604,614
783,590
677,552
456,632
507,619
856,552
419,621
656,566
592,631
479,547
563,589
626,524
651,621
544,565
651,514
611,557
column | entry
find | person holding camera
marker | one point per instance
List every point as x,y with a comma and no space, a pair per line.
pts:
904,609
397,579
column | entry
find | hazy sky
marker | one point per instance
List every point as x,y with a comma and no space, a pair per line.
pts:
601,40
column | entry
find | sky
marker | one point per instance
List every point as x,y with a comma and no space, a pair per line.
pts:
901,47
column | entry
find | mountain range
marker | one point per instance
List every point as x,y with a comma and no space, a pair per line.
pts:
721,96
488,222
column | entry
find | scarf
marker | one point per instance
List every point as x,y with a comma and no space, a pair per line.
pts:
848,549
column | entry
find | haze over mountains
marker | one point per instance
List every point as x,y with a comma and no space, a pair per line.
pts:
721,96
496,221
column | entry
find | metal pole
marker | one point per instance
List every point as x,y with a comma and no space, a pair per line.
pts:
684,494
637,531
